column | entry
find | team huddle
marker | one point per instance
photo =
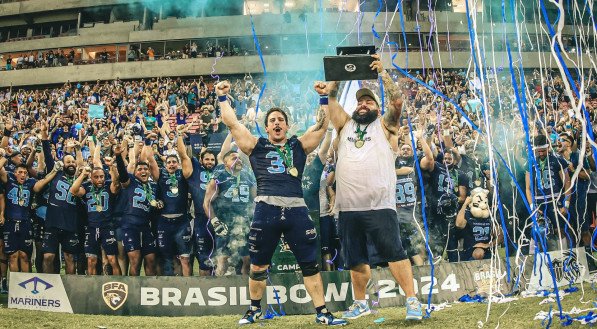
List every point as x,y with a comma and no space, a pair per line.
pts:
123,211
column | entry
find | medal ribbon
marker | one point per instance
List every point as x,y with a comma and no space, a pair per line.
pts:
20,196
173,182
95,193
286,155
453,177
148,192
361,133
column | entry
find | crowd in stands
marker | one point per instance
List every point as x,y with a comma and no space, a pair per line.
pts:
64,57
149,118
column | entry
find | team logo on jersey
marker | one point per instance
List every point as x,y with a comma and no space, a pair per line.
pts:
115,294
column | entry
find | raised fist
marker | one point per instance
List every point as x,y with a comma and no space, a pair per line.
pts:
324,88
58,166
223,88
108,161
86,170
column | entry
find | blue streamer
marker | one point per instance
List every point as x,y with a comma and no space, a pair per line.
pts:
258,48
270,313
428,310
548,319
403,35
474,299
374,18
376,35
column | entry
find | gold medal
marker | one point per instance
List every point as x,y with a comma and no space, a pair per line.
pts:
478,183
21,203
99,208
359,143
293,171
153,203
174,190
234,193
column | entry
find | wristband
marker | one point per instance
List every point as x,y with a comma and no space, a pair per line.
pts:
7,132
323,100
147,142
223,98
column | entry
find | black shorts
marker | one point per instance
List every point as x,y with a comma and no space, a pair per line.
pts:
70,241
270,222
362,231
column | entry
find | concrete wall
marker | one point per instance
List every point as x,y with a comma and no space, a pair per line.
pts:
267,24
37,6
236,65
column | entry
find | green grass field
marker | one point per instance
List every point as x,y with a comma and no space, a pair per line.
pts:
516,314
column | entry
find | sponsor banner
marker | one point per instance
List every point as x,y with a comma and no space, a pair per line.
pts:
215,141
179,296
37,291
568,266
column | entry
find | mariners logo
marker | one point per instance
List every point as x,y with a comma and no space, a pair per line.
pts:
115,294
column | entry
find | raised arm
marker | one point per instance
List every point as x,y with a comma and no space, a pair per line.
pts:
245,141
428,161
3,173
311,139
47,153
7,132
391,117
40,184
211,192
76,189
123,176
336,113
226,146
185,160
460,218
325,145
154,169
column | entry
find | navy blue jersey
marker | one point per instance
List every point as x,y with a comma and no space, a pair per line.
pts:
137,210
18,198
406,185
99,203
271,172
477,230
547,180
197,184
234,197
444,181
63,207
173,190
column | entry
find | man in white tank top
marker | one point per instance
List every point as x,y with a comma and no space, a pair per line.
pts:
365,190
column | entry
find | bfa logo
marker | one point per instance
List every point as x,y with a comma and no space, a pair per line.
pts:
35,283
115,294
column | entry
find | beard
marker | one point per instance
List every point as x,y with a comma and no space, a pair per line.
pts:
70,170
366,118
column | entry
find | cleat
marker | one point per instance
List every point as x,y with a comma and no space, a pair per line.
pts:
328,319
414,311
356,310
250,316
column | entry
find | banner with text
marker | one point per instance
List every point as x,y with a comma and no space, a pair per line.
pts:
179,296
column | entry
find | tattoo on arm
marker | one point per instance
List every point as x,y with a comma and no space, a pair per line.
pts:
320,119
390,87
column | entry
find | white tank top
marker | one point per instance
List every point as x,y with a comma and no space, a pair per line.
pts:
366,176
